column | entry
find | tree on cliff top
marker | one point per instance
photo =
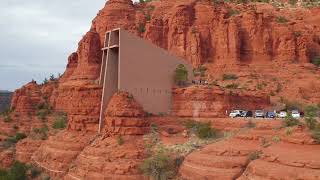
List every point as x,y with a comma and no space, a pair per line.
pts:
181,75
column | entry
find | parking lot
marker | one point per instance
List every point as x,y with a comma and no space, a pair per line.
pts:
265,114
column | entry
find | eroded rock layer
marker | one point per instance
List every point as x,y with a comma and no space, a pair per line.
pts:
56,154
105,158
125,116
213,102
264,152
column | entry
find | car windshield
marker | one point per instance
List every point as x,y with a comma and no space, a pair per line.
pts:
258,111
295,112
234,111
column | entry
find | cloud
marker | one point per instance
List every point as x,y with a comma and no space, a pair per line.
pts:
37,36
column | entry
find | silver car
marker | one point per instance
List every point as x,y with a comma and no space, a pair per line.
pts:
259,114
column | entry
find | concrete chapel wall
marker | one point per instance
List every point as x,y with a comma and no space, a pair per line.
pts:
147,72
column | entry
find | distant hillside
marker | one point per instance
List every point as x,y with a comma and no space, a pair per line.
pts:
5,98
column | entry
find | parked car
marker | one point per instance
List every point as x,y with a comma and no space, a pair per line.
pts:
295,114
259,113
248,114
243,113
271,114
235,113
282,114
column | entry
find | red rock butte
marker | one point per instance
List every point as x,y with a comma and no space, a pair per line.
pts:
251,56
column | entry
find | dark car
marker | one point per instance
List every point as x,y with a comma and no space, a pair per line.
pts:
248,114
271,114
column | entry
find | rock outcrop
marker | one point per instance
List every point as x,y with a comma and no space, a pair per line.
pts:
213,102
125,116
106,158
248,154
121,149
220,35
257,41
56,154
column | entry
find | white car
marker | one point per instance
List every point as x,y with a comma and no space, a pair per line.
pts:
295,114
259,114
235,113
282,114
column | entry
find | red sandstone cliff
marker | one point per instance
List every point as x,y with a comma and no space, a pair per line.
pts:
202,33
251,43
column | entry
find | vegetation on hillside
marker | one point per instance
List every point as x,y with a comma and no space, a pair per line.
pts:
12,140
159,166
202,130
181,75
60,121
21,171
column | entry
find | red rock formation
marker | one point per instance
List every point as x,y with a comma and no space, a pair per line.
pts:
25,149
82,104
105,158
213,102
124,116
281,155
202,33
6,158
26,99
56,154
196,30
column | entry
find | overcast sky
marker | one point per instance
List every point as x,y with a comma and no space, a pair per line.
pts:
36,37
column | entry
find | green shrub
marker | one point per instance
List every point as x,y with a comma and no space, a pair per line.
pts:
232,86
290,121
144,1
316,135
141,28
181,75
43,110
254,155
42,114
272,93
281,19
120,140
45,81
46,177
297,33
233,12
316,61
288,131
200,70
18,171
202,130
260,86
293,2
7,118
41,132
276,139
11,141
291,105
60,122
148,17
159,166
34,172
154,127
229,77
310,114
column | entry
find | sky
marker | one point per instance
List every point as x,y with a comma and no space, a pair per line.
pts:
37,36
